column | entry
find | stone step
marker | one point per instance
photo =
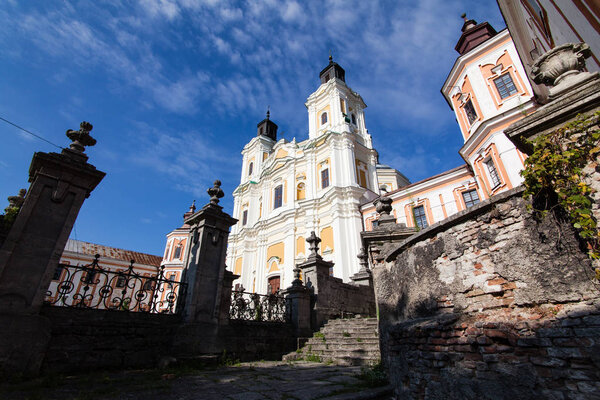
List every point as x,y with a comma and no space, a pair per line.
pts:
343,341
363,334
349,360
341,347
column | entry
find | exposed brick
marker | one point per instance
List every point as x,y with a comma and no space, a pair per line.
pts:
473,331
497,281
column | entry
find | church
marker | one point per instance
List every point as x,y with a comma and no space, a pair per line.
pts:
288,189
329,183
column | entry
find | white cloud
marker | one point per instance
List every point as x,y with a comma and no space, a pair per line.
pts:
161,8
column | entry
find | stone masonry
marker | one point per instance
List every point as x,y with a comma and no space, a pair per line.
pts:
491,303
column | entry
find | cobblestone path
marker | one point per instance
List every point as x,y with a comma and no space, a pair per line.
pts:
247,381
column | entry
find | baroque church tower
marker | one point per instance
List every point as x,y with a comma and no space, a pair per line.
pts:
288,189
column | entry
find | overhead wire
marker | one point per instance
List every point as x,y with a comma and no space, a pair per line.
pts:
31,133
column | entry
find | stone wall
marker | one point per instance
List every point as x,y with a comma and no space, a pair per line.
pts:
491,303
97,339
331,298
251,341
336,298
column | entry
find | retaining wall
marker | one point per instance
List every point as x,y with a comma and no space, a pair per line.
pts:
491,303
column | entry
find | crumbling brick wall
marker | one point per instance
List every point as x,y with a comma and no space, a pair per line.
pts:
491,303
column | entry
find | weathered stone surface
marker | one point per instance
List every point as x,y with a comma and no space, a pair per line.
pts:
461,315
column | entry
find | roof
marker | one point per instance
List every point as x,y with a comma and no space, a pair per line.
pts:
77,246
450,171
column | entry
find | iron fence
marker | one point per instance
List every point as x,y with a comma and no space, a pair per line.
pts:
258,307
94,287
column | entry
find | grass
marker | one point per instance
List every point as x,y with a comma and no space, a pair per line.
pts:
320,335
345,334
312,358
374,376
359,340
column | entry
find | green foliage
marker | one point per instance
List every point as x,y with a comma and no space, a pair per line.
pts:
345,334
7,219
312,358
320,335
374,376
554,175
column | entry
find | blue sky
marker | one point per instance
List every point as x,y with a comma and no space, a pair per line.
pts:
175,88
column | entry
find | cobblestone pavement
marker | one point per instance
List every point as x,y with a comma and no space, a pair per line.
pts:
247,381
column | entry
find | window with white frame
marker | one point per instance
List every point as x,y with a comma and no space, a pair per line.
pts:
470,197
505,85
470,111
493,172
244,217
420,217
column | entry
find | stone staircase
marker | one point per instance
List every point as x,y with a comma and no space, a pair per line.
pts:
342,341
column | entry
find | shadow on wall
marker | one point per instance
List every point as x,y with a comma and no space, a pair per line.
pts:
490,304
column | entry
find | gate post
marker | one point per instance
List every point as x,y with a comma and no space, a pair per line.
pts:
297,299
30,253
204,269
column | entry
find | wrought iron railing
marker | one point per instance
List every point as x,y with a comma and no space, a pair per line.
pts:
258,307
92,286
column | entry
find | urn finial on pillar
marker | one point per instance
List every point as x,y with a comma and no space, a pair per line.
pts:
561,68
81,138
215,193
313,241
383,206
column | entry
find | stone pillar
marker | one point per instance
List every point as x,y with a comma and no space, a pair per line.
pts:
297,298
32,249
363,277
204,270
228,279
316,278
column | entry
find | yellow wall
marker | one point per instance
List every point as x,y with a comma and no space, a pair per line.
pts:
300,243
275,250
327,238
238,266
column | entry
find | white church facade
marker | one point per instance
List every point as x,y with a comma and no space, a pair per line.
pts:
288,189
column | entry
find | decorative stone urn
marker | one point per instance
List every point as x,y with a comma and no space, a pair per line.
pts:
562,68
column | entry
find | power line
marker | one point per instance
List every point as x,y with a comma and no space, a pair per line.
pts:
31,133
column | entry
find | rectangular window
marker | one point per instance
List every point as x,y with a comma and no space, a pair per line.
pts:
505,86
172,278
420,218
278,197
244,217
324,178
470,197
375,223
58,272
470,111
177,252
121,282
494,177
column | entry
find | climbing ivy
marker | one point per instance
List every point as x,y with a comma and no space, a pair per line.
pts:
554,175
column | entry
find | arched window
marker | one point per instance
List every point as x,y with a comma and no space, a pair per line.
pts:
323,118
353,119
301,191
250,168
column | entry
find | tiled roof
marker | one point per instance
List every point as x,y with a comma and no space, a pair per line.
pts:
77,246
